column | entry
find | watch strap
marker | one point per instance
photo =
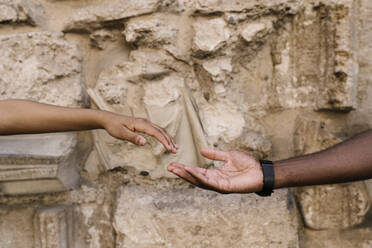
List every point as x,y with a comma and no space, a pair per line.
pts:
268,178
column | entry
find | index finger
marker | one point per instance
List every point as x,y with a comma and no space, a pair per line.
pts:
162,137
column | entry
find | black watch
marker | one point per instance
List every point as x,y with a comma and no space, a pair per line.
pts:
268,178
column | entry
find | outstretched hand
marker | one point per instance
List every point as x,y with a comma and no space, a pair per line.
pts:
125,127
241,174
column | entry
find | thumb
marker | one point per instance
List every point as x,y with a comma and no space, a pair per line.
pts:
133,137
215,154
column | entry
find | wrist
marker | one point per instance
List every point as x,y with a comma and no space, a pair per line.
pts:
281,179
101,118
268,178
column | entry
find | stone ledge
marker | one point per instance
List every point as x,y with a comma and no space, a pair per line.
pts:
32,164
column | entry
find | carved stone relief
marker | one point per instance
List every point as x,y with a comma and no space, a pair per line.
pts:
32,164
315,58
153,92
53,227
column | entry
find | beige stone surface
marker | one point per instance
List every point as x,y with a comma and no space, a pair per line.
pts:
31,164
146,217
54,227
210,35
155,31
258,7
21,11
96,16
41,66
256,30
316,64
16,225
357,238
227,74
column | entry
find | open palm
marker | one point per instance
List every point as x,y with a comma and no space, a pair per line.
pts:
241,174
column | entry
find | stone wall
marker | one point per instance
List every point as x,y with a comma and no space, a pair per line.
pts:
275,78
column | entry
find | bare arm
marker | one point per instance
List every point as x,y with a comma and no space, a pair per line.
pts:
26,117
348,161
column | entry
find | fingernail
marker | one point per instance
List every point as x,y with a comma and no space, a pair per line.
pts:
142,141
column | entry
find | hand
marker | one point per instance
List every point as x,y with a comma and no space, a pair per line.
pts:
242,173
124,127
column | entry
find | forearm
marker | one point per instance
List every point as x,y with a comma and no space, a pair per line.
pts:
348,161
21,116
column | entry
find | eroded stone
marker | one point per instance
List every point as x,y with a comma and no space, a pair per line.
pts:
165,100
54,227
97,16
222,120
316,66
210,35
100,38
256,7
41,66
147,217
256,30
20,11
32,164
155,31
218,69
16,227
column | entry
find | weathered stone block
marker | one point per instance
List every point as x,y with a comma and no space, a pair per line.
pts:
155,31
16,228
99,15
256,30
99,38
32,164
338,66
41,66
317,65
54,228
328,206
21,11
218,69
350,238
147,217
209,36
252,7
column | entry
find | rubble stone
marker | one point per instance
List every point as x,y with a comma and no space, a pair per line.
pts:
210,35
41,66
252,30
155,32
99,38
97,16
20,11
